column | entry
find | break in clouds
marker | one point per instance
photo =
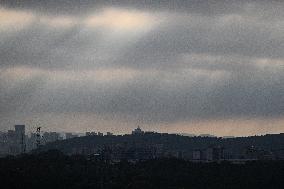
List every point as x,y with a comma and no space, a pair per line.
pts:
141,62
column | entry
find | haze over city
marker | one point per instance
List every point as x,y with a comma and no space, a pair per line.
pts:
213,67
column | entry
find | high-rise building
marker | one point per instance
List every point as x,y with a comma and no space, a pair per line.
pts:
20,138
20,129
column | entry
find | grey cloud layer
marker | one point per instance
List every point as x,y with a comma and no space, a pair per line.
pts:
161,97
64,48
206,7
192,66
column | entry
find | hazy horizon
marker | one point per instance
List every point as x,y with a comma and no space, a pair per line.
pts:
200,67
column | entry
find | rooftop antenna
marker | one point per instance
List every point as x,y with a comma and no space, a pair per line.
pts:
38,137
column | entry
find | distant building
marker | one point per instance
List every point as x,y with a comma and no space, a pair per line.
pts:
207,135
70,135
186,134
131,153
208,154
11,135
20,130
109,134
3,143
196,155
137,131
100,134
91,134
254,153
14,141
20,138
51,137
215,153
32,142
228,137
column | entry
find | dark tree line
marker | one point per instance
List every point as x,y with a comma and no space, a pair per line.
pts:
53,169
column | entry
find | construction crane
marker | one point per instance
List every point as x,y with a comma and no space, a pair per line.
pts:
38,137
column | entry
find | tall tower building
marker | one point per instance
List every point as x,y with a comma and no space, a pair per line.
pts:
20,134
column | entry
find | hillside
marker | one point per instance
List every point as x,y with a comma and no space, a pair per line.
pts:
233,147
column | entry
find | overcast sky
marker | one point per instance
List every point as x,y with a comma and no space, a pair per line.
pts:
212,66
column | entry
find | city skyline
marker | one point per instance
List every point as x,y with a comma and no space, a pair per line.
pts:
143,145
196,67
31,130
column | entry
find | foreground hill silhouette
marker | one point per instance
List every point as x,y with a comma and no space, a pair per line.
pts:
53,169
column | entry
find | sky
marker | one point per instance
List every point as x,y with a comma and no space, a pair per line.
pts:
183,66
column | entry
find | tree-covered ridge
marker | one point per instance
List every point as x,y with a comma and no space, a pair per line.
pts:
173,143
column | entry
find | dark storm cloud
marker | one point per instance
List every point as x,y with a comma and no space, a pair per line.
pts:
206,59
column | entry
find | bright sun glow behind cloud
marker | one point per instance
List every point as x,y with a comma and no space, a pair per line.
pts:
115,20
59,21
11,19
122,20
